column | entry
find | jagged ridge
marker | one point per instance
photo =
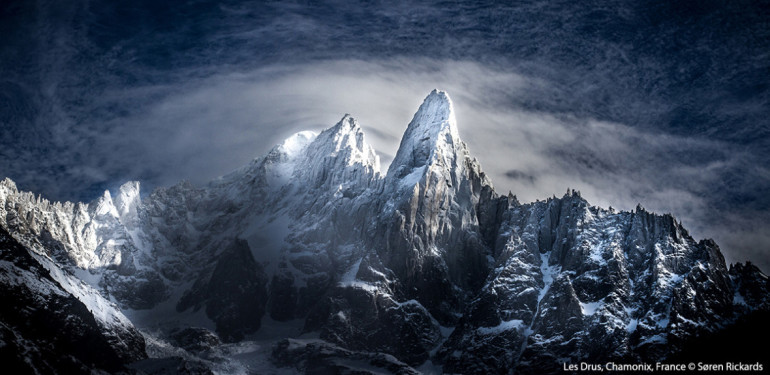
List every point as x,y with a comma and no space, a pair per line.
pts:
396,263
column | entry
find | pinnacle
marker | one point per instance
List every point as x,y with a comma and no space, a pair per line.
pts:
347,124
436,111
433,124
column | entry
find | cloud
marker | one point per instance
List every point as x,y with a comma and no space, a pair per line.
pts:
203,128
196,127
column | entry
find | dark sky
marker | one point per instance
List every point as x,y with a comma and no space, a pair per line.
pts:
660,103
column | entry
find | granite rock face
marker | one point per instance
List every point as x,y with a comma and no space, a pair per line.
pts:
47,327
575,282
319,357
425,264
234,294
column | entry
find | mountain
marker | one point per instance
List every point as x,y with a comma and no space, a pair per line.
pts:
53,323
315,253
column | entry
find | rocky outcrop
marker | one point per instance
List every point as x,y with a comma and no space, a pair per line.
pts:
575,282
234,294
45,328
427,231
319,357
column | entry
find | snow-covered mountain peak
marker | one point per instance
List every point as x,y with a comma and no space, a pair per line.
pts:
339,156
431,133
104,206
346,139
127,201
7,182
296,143
429,263
436,109
7,187
275,168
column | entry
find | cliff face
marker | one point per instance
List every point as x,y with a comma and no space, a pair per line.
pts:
53,323
423,263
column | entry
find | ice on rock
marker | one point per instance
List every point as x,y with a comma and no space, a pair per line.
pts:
281,161
297,143
513,324
349,280
127,201
347,139
104,207
337,156
631,326
47,302
431,134
590,308
340,156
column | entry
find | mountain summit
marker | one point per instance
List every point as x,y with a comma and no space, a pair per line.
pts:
431,134
311,252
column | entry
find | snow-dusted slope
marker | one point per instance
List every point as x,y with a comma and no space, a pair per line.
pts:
429,223
425,266
584,282
430,138
51,322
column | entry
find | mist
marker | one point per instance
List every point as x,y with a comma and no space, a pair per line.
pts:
630,104
205,128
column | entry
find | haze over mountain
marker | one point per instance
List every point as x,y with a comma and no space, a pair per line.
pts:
664,104
310,259
176,200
